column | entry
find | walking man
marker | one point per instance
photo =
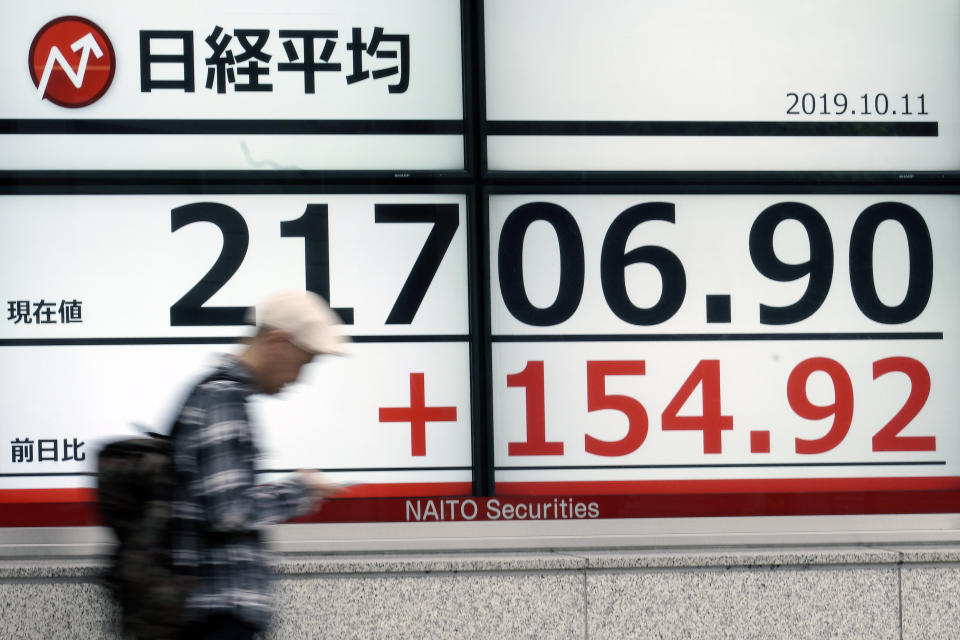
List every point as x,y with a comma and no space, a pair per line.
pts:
220,511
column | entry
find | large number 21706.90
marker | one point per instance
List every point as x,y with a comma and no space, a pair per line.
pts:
313,227
711,421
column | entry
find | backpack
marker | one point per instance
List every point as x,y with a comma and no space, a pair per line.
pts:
135,491
135,486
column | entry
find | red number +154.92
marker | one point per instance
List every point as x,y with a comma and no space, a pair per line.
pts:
711,420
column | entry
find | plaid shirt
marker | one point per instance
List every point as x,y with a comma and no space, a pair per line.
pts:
219,512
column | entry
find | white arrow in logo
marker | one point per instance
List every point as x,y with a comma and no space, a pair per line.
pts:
88,44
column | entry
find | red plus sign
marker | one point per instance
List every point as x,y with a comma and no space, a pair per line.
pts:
418,415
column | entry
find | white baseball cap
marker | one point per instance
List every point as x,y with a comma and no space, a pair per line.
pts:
311,323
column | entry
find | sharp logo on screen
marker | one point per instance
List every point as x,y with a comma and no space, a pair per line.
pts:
71,62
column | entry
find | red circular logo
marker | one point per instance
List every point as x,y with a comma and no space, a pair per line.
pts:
71,62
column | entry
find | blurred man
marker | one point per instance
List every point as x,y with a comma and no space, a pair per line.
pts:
219,511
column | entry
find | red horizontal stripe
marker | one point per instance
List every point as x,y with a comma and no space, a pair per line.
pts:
391,503
788,485
50,514
20,496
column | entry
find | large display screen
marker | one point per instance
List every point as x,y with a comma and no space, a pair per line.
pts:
116,304
738,85
697,344
711,331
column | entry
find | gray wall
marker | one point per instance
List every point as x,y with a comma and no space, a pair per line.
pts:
855,591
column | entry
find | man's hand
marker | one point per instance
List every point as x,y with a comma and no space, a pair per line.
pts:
317,483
